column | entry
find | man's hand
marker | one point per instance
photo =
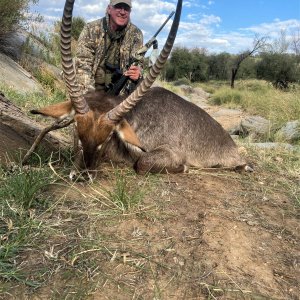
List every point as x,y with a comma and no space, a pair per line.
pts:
134,73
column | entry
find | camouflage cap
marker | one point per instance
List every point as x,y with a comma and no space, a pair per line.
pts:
115,2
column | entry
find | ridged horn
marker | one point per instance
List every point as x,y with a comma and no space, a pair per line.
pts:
74,90
117,113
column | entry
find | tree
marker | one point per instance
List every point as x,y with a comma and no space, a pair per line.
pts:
181,61
198,65
53,39
14,15
258,44
281,44
218,66
77,25
295,43
279,68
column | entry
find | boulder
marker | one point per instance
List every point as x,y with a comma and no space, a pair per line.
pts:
14,76
290,132
186,89
255,126
230,119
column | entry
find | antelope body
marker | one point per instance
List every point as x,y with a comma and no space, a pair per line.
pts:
153,129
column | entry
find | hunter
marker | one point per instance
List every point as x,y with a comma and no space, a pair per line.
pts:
107,47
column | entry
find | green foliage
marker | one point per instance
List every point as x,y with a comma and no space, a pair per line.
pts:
226,96
33,100
38,46
180,64
247,69
78,24
13,14
197,65
22,187
21,193
125,195
189,64
52,40
45,78
218,66
278,68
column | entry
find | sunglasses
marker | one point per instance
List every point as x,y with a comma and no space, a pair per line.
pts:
120,6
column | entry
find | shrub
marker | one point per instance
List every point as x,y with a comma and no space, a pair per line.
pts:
182,81
280,69
226,95
13,15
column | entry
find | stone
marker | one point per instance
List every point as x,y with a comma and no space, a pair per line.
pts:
255,126
290,132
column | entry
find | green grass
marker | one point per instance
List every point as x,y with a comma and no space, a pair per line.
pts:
282,168
126,195
261,98
23,186
21,199
29,101
171,87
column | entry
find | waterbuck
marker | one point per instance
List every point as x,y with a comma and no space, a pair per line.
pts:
152,130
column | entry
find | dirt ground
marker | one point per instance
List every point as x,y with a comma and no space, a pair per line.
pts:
201,235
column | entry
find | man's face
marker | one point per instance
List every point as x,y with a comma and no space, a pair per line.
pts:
119,15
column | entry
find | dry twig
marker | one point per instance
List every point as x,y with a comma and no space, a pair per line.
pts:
56,125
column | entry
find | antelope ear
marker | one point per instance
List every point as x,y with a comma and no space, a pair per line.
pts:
127,134
57,111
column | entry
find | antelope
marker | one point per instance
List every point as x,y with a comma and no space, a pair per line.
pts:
152,130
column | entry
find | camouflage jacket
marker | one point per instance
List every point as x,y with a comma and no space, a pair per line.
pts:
91,48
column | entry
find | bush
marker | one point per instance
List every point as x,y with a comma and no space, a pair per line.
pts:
182,81
13,14
253,85
226,95
280,69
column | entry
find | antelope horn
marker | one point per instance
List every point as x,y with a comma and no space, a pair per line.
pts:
117,113
74,90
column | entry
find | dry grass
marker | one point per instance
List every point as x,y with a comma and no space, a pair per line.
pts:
261,98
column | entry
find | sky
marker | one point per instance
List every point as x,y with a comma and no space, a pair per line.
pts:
216,25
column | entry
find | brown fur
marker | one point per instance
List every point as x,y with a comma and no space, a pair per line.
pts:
56,111
127,134
175,134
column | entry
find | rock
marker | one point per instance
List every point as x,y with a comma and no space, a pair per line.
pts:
17,41
187,89
201,93
18,132
284,146
230,119
290,132
14,76
32,64
255,126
